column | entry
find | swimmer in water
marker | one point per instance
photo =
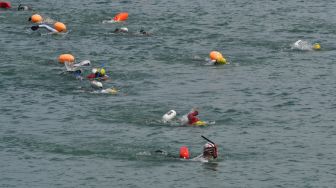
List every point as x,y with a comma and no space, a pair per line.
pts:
121,30
193,120
143,32
210,152
59,27
24,7
98,74
305,46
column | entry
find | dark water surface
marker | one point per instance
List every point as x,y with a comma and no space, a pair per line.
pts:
274,107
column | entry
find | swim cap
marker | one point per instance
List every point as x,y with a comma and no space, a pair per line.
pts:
66,58
36,18
102,72
221,60
316,46
60,27
124,29
210,149
94,70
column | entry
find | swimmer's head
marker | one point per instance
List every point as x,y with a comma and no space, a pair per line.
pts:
124,29
60,27
210,150
23,7
102,72
316,46
36,18
94,70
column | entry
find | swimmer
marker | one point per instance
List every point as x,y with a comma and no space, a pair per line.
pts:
24,7
143,32
210,152
58,27
305,46
193,120
99,86
98,74
121,30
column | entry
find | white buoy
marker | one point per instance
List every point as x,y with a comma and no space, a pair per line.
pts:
97,85
171,114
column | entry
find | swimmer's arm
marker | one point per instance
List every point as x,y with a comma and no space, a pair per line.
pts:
48,28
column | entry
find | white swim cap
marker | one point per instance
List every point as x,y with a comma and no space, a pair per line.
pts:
94,70
124,29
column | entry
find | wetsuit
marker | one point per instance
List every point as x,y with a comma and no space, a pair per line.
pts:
192,117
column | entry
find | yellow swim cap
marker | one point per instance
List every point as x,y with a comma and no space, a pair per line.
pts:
316,46
102,72
60,27
36,18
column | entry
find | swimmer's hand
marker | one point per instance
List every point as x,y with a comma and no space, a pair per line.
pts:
34,28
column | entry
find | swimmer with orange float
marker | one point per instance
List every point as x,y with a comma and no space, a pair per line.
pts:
210,152
59,27
120,17
71,67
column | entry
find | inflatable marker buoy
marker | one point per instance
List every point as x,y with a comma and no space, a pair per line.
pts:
60,27
66,58
200,123
171,114
184,152
122,16
96,84
36,18
4,4
218,57
316,46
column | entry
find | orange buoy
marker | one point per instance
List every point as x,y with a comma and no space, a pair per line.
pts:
214,55
66,58
218,57
60,27
184,152
36,18
122,16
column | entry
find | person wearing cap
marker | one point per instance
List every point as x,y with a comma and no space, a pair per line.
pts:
305,45
210,152
193,119
97,73
121,30
24,7
58,27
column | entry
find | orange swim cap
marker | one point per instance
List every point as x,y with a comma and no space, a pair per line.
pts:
36,18
66,58
60,27
122,16
184,152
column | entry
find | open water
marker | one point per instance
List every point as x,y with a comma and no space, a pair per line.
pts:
274,107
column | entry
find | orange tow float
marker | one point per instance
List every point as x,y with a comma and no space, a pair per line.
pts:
122,16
